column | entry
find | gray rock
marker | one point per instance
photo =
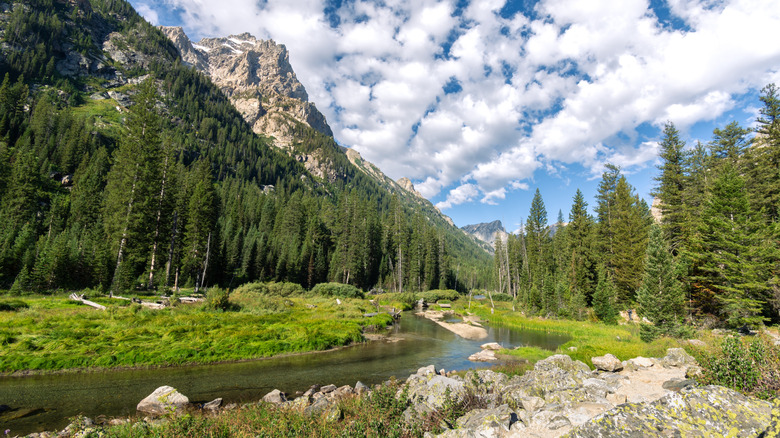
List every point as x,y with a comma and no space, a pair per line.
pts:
276,397
532,404
608,362
491,346
163,400
693,412
484,422
558,422
213,405
641,362
360,387
318,407
432,392
430,369
328,389
677,384
696,343
677,357
312,389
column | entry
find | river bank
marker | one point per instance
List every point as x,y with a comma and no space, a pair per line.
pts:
558,397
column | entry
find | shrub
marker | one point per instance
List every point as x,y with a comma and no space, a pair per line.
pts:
751,367
13,305
218,299
435,295
498,296
285,289
337,290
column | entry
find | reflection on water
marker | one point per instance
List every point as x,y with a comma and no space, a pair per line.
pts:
50,400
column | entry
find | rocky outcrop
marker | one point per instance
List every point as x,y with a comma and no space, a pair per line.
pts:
487,232
257,77
163,400
407,185
694,412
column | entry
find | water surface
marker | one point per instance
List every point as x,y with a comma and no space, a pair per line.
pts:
49,400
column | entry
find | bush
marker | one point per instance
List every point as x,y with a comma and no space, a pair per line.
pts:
285,289
502,297
218,299
435,295
751,367
13,305
337,290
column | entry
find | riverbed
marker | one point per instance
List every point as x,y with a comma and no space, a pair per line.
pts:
46,402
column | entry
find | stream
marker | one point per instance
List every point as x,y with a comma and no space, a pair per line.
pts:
46,402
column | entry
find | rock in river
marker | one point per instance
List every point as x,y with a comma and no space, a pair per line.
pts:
163,400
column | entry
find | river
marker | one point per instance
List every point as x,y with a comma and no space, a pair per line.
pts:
46,402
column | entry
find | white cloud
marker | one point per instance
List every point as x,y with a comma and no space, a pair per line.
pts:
569,86
148,13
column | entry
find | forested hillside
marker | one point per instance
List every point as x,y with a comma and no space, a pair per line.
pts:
122,168
714,258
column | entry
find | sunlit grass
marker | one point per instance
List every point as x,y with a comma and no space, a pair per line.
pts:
54,333
588,339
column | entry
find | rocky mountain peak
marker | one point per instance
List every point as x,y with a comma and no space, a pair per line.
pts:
487,231
407,185
257,77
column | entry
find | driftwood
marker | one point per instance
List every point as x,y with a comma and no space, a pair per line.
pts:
82,299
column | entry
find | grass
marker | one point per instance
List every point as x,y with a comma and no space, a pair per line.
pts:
54,333
588,339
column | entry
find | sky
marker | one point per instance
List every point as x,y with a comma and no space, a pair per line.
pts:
481,102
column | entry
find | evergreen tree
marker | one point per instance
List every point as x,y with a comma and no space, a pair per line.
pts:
763,158
726,266
671,184
581,271
604,298
630,227
661,298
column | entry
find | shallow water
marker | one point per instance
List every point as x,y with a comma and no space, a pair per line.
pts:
50,400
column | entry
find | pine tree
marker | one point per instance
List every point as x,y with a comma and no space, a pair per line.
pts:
604,298
763,158
630,227
726,265
661,298
581,271
605,213
133,185
671,184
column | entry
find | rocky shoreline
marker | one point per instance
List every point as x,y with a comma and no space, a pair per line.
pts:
558,397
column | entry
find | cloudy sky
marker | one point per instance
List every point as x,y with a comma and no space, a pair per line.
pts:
480,102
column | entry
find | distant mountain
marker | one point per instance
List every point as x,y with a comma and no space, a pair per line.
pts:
487,232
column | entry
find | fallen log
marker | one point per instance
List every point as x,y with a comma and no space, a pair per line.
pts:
190,300
81,299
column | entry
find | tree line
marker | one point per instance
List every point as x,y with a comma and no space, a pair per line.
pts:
712,257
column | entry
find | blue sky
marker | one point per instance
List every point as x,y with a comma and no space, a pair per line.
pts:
480,102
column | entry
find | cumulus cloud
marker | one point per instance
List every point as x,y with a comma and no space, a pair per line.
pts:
470,103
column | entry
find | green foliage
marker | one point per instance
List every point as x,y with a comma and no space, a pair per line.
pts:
337,290
749,365
604,299
433,296
661,299
498,296
13,305
217,299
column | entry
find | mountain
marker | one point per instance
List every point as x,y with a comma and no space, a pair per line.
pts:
257,77
487,232
122,165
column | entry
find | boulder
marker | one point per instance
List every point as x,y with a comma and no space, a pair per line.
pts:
163,400
276,397
677,357
491,346
483,356
328,389
693,412
677,384
430,369
641,362
608,362
213,405
360,387
432,393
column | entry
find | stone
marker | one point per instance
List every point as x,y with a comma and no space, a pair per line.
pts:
312,389
360,387
677,357
483,356
276,397
641,362
558,422
597,388
693,372
491,346
532,404
678,384
696,343
430,369
328,389
318,407
213,405
608,362
488,422
693,412
163,400
432,394
343,391
299,404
